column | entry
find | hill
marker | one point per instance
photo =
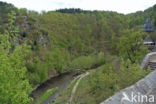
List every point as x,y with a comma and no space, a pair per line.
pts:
67,34
69,39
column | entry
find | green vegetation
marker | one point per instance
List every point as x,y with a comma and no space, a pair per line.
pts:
60,41
65,95
46,95
87,62
14,84
131,46
66,40
105,81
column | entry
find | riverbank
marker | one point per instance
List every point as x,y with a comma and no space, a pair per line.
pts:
102,83
63,82
60,81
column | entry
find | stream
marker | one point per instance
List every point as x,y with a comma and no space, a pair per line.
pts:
61,82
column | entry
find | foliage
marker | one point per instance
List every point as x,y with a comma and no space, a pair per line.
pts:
130,73
87,62
46,95
4,10
138,18
14,85
131,46
153,36
71,10
105,81
65,95
67,39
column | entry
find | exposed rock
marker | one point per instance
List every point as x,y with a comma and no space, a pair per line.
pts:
28,26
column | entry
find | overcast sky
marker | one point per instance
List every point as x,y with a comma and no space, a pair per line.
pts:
121,6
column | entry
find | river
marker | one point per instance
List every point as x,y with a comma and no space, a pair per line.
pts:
60,81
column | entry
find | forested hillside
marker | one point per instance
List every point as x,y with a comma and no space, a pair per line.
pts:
68,39
139,17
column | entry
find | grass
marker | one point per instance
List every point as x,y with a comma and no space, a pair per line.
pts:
83,90
65,95
105,81
80,63
46,95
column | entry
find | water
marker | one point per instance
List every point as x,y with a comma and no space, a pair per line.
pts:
61,82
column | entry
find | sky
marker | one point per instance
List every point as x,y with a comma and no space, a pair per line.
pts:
120,6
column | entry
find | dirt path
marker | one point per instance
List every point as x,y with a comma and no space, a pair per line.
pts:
61,82
76,85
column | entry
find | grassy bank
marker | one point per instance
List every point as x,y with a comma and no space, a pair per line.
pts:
46,95
102,83
65,95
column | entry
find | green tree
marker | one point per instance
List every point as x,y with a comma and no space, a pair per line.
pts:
155,22
130,72
104,80
130,45
14,86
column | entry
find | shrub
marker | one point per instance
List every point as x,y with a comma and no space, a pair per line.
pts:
84,62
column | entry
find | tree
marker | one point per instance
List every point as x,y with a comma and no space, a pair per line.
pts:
130,72
130,45
14,86
155,22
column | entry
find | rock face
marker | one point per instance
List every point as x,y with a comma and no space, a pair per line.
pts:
31,32
143,92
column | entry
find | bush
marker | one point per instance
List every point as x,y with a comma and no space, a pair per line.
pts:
84,62
105,81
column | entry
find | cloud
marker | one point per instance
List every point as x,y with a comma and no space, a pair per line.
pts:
122,6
